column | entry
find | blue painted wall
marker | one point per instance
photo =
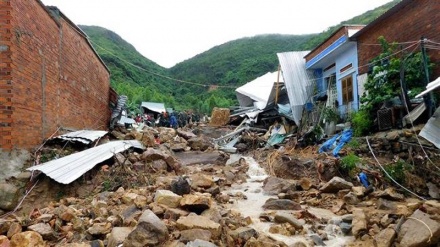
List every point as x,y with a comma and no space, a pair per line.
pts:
349,55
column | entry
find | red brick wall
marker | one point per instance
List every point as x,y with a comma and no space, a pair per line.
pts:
416,19
57,80
5,74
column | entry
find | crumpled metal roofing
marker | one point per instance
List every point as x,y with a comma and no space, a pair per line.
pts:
259,92
67,169
431,86
431,130
84,136
298,81
153,106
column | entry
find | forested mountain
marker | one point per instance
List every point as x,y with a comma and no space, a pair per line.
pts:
208,79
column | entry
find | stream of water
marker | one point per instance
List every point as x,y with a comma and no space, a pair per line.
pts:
252,207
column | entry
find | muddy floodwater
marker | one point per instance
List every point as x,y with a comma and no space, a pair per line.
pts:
255,199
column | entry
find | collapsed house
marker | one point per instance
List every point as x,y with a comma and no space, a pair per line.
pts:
153,108
278,94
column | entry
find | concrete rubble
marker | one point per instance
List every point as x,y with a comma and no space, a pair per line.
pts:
162,197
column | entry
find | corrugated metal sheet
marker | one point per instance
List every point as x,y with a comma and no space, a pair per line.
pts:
298,81
259,92
431,86
431,130
84,136
153,106
67,169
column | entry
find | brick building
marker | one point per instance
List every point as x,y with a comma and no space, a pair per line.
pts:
407,21
50,76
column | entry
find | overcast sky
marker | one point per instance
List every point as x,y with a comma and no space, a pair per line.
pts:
171,31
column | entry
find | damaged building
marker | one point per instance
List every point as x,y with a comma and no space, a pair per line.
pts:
51,79
50,76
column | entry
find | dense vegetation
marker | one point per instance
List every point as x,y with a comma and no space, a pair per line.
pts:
208,79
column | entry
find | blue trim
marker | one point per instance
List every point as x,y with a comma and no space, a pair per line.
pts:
326,51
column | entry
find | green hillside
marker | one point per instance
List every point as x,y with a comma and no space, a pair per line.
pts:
208,79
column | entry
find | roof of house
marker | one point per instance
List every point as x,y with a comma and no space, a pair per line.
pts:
331,35
54,12
154,106
396,8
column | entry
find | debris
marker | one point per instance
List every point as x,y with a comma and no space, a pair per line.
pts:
219,116
68,168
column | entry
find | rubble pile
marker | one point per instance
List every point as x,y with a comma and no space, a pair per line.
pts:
178,193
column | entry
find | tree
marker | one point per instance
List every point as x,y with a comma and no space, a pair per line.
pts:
384,81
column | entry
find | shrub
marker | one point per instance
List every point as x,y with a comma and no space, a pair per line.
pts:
349,163
361,122
397,170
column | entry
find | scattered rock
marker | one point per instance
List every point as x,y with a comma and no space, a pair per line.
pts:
389,194
305,183
275,185
243,234
281,204
118,236
195,221
359,223
434,191
201,181
150,231
415,233
100,228
351,198
14,229
336,184
195,203
345,227
185,134
199,143
199,243
385,238
4,241
194,234
28,238
384,204
181,185
167,198
282,217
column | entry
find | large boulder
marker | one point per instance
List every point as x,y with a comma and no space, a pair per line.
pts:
44,230
385,238
167,198
118,236
193,221
185,134
193,234
199,143
243,234
417,230
181,186
202,181
281,204
219,116
28,238
150,231
336,184
283,217
196,203
359,223
274,185
9,195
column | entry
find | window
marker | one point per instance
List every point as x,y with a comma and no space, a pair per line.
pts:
347,89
